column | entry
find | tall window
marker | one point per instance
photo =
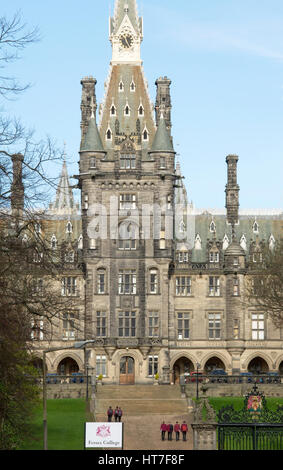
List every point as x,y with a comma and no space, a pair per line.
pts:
127,282
214,325
127,237
127,324
153,324
101,324
101,281
92,162
127,201
37,329
152,365
127,161
236,286
258,326
214,257
69,257
153,281
69,286
214,286
69,325
183,257
183,285
101,364
162,162
183,325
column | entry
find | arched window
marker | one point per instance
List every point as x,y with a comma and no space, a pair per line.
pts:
128,235
53,242
69,228
141,110
109,134
145,135
127,111
113,110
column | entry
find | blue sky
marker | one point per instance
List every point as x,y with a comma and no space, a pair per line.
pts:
225,60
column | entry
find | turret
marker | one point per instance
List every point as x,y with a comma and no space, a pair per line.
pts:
163,101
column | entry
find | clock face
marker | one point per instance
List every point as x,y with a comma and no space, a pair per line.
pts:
126,40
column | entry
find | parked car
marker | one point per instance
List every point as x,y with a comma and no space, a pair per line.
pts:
51,378
273,378
196,374
218,375
246,377
77,377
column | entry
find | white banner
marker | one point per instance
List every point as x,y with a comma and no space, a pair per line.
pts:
104,435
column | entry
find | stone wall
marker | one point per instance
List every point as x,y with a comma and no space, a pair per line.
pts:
235,390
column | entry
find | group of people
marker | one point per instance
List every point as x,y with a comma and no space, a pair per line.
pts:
117,413
177,428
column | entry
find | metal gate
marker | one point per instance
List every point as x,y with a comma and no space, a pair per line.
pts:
250,436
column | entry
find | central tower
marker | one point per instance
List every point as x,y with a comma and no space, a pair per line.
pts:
127,174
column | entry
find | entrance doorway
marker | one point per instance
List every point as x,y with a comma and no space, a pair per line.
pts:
127,371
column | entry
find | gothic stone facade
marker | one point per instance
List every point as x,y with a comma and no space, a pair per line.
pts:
152,303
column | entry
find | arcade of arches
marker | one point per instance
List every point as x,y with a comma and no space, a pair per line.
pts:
184,365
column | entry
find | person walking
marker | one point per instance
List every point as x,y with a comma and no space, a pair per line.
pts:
110,414
163,429
170,432
120,414
184,429
116,414
177,430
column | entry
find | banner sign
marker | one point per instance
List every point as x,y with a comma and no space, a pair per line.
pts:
254,404
104,435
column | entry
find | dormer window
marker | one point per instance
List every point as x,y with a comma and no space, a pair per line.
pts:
255,227
225,242
197,242
53,242
113,110
127,111
121,87
243,242
92,162
69,228
133,87
109,134
212,227
141,110
145,135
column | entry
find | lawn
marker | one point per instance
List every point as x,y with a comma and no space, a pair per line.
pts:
238,402
65,420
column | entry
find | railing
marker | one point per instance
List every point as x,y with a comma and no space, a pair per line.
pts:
250,436
231,379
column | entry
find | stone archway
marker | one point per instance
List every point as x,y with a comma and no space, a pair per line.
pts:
213,363
67,366
37,363
182,366
258,366
280,368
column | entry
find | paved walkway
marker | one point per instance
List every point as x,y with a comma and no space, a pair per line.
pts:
143,432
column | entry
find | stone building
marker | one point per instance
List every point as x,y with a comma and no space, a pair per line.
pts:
157,285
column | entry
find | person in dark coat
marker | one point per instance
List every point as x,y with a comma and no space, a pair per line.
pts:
170,432
177,429
120,414
163,429
110,414
116,414
184,429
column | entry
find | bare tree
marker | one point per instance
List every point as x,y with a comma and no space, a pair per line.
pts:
266,287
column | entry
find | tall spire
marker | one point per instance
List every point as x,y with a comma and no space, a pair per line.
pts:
122,9
64,202
126,31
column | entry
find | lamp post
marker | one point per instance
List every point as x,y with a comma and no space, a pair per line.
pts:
78,345
198,366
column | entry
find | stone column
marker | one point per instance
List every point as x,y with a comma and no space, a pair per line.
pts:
204,436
